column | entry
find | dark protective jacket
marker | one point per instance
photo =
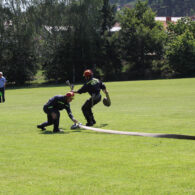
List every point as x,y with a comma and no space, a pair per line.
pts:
59,102
92,86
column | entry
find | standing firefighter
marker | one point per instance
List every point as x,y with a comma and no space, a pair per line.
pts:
93,87
52,108
2,87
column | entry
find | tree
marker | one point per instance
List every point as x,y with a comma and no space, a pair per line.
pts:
109,60
142,39
181,26
173,7
181,47
18,60
107,16
181,55
79,43
82,44
110,57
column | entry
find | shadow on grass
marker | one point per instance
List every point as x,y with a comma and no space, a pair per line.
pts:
175,136
47,132
155,135
102,125
73,130
169,136
52,133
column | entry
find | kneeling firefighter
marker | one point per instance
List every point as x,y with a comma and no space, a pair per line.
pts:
52,109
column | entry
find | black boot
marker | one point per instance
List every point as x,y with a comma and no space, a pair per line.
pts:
94,122
56,130
89,124
56,125
41,127
89,121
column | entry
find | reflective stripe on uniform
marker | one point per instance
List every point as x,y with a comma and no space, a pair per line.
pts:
61,102
93,81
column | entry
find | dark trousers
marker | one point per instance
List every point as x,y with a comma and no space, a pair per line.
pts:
50,120
87,108
2,97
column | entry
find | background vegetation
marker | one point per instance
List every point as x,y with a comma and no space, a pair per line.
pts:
63,37
165,7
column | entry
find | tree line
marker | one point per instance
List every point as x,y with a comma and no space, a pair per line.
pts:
64,37
175,8
172,8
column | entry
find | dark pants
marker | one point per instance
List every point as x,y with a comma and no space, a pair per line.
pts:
87,108
50,120
2,97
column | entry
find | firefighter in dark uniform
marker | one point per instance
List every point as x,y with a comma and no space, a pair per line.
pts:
52,108
93,86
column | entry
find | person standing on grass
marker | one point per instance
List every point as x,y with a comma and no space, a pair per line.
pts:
2,87
93,86
52,109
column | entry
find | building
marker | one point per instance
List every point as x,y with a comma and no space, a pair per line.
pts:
164,20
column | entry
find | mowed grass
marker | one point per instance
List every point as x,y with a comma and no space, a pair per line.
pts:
86,162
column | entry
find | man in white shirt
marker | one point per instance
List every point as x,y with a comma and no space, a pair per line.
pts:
2,87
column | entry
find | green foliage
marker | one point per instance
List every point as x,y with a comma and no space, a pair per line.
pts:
181,54
183,25
107,16
64,37
109,62
76,48
18,60
111,57
181,47
142,39
83,44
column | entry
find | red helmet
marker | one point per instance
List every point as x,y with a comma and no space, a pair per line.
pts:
88,73
70,94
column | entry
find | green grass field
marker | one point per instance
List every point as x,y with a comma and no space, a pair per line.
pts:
85,162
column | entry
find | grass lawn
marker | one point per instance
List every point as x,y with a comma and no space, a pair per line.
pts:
86,162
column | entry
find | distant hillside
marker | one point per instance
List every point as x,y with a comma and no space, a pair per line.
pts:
123,2
165,8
